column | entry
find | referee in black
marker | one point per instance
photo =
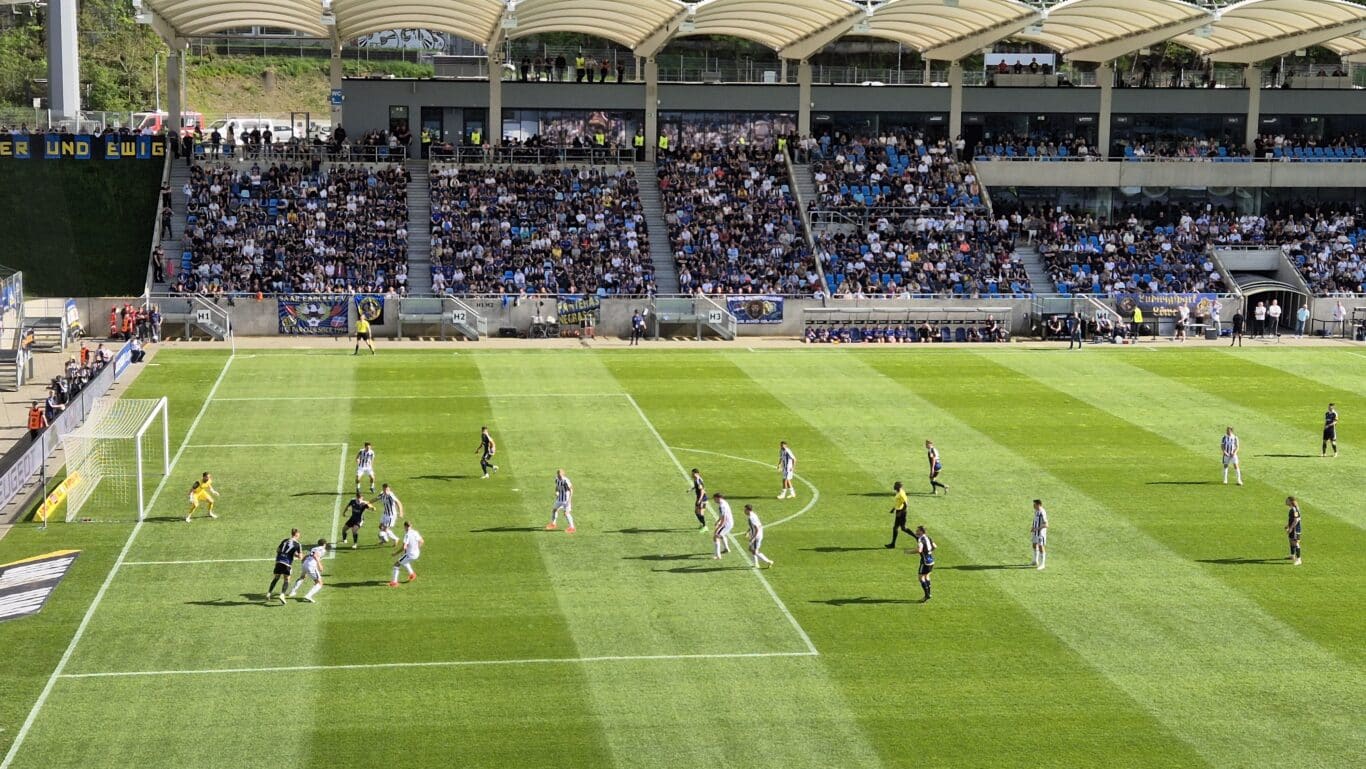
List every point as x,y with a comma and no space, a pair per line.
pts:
899,507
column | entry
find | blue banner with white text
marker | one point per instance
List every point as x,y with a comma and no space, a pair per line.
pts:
81,147
314,314
1165,305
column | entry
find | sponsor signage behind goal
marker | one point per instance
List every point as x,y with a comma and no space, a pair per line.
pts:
25,585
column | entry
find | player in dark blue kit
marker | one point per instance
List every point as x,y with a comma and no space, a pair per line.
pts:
487,448
936,467
286,553
1293,526
699,490
356,519
1330,431
924,547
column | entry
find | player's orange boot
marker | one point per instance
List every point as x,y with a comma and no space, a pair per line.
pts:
412,577
393,584
569,530
550,526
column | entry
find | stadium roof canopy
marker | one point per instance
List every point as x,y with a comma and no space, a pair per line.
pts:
945,30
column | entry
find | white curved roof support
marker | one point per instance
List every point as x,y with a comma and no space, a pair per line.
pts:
948,32
1107,26
774,23
660,36
475,20
963,47
145,14
808,46
1123,46
1257,30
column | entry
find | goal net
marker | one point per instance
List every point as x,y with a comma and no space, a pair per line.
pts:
116,458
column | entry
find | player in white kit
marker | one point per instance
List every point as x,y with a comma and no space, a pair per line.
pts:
1038,534
411,547
313,569
725,521
756,537
365,465
392,510
564,500
1229,445
787,467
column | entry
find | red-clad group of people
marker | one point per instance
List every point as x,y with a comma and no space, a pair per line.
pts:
129,321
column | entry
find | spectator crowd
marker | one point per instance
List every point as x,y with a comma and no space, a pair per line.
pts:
734,225
286,228
522,231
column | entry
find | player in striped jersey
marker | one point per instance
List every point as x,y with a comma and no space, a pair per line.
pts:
564,500
1293,528
313,569
924,547
787,467
755,533
1229,444
1038,534
391,509
365,465
699,491
725,521
936,467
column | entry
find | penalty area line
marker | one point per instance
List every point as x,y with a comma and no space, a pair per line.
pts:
109,579
782,607
337,503
442,664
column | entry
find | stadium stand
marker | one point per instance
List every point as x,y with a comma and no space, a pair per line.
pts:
1037,146
564,230
1327,245
286,228
921,226
1159,251
733,223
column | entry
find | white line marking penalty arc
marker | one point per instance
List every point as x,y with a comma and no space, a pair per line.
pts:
815,492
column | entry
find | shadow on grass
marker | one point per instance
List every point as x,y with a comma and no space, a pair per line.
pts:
702,569
365,583
342,493
666,557
505,529
1241,561
832,549
249,599
439,477
1290,456
1181,483
888,494
650,531
988,566
863,600
165,519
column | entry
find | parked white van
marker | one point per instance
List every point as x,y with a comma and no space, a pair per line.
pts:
279,127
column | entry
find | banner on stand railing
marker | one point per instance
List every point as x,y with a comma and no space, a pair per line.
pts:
756,309
1165,305
317,314
370,307
577,309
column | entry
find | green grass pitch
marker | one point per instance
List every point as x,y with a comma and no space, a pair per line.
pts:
1167,631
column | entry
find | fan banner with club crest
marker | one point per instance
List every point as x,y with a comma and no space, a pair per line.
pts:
315,314
371,307
756,309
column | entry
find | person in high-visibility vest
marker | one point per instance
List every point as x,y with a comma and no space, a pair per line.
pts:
363,335
579,68
37,421
664,143
600,139
477,137
782,145
639,143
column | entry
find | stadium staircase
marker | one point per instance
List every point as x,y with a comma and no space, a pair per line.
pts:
419,228
180,176
1034,268
661,256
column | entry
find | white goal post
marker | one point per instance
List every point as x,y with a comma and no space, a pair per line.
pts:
110,458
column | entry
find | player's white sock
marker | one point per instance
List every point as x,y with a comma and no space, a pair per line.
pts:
312,591
409,567
1240,476
295,589
1225,475
718,548
395,579
568,519
1043,559
1036,558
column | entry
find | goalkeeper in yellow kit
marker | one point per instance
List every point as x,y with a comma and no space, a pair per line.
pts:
202,491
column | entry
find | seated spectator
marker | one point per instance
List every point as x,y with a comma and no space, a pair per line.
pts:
554,231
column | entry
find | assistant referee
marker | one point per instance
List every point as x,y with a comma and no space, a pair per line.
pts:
899,508
363,334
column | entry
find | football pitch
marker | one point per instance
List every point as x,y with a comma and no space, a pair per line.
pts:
1168,629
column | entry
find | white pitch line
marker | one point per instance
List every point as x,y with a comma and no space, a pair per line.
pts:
1359,355
258,445
443,664
207,560
815,492
758,574
438,396
104,588
336,504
